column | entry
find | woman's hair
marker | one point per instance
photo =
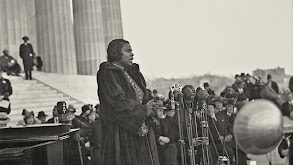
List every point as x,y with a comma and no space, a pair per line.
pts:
114,49
28,115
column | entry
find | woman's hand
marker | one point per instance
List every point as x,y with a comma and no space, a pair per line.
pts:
149,107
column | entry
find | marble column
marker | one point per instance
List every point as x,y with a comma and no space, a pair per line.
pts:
112,22
89,36
55,36
17,19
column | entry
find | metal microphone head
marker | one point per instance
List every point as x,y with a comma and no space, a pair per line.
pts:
188,93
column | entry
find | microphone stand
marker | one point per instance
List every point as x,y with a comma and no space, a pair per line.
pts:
181,138
190,134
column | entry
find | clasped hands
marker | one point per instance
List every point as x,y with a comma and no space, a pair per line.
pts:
163,140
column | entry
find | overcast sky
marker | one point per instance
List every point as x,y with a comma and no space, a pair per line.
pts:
175,38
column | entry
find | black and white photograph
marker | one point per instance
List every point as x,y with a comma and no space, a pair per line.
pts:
146,82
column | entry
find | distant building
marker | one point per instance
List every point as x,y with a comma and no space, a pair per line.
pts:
277,73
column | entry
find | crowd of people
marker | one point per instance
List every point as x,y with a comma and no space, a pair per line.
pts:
134,125
142,127
221,112
29,57
87,137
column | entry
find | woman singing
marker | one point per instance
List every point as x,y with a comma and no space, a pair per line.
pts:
127,137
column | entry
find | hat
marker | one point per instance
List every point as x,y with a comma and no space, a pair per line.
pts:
71,108
248,75
5,50
242,74
25,38
269,76
230,102
41,114
237,75
86,109
206,84
28,114
3,118
219,99
159,105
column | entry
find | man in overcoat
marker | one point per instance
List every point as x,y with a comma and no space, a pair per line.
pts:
26,52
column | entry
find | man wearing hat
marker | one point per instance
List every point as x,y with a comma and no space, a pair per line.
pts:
5,92
85,110
287,107
272,84
27,53
206,86
219,104
165,136
243,92
42,117
224,130
9,64
287,141
4,119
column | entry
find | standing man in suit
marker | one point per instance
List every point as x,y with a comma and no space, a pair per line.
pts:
285,148
26,52
272,84
287,107
206,86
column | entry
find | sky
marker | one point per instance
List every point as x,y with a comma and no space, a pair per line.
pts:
181,38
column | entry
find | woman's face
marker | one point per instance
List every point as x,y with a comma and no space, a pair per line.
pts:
30,120
127,56
92,116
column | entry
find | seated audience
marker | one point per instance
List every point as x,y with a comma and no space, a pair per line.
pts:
10,65
28,118
54,119
42,117
4,119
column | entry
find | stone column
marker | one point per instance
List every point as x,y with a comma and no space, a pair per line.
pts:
89,36
112,22
17,19
55,36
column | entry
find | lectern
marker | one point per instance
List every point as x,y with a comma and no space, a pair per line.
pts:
45,144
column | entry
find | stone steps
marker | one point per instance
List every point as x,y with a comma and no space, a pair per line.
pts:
35,96
16,101
28,95
34,92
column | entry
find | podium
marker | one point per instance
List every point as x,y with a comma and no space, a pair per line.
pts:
44,144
